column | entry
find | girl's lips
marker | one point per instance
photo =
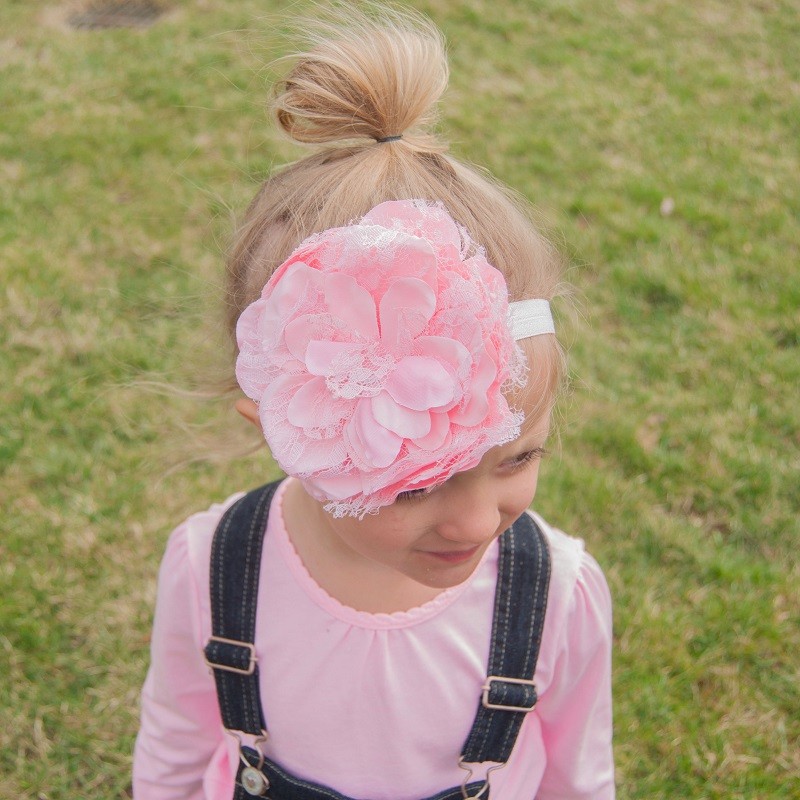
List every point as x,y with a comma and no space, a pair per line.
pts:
452,556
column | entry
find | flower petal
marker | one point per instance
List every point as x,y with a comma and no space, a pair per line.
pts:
315,411
403,421
279,392
405,310
308,456
296,453
247,333
439,434
476,406
370,445
492,280
418,218
421,383
299,332
287,288
375,255
320,356
334,487
352,302
397,255
448,350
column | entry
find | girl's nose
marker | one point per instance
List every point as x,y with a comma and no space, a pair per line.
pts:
471,516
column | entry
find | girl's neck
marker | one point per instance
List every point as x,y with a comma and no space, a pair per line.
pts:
346,576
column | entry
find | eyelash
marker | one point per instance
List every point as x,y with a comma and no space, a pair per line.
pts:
519,462
414,494
525,458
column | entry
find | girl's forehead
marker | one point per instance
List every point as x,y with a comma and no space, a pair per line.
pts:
535,399
534,429
535,426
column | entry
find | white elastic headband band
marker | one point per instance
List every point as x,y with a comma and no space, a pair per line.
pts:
530,318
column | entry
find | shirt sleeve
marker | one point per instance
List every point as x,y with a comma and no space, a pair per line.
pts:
180,721
575,711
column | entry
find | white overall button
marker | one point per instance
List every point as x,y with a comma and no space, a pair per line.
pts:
254,782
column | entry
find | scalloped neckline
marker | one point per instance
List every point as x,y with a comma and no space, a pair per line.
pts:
348,614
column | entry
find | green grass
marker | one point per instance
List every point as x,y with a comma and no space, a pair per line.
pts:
659,141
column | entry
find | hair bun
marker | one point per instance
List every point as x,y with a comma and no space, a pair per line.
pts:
363,76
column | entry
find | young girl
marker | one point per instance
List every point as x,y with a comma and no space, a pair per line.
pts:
388,622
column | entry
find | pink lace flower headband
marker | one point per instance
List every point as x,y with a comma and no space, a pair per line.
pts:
379,354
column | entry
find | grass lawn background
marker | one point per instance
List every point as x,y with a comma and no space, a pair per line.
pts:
659,141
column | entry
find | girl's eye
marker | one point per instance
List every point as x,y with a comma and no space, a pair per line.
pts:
527,457
414,494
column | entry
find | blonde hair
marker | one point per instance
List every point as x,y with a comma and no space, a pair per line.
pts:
365,76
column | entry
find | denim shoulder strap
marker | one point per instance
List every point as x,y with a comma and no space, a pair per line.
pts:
523,578
235,569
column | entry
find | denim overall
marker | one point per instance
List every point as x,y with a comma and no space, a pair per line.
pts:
507,695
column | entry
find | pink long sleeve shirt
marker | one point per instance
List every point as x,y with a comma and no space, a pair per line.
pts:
374,705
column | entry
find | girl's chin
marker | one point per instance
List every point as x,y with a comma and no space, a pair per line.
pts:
442,570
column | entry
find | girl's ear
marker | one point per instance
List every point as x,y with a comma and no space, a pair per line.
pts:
249,410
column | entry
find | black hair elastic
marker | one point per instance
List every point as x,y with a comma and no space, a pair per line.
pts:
389,138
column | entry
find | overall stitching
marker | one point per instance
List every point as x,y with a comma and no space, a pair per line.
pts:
220,603
250,603
484,722
508,600
509,597
502,615
534,621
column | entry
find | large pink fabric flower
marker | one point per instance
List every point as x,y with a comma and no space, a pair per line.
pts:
378,354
